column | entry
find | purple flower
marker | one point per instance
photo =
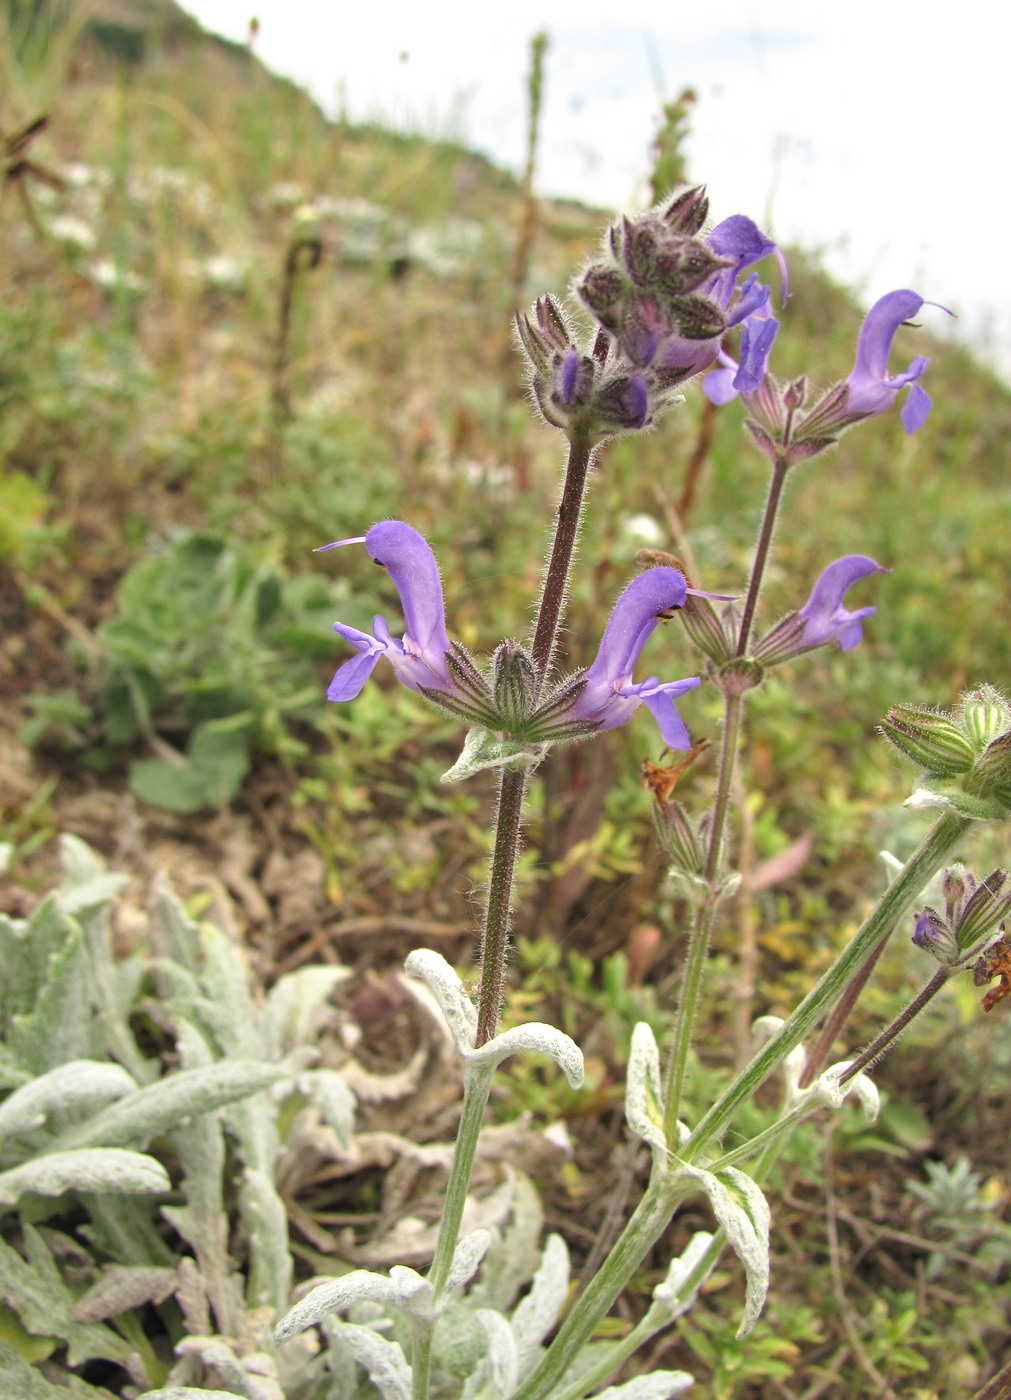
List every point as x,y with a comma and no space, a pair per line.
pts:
823,615
419,657
609,697
741,242
870,389
823,618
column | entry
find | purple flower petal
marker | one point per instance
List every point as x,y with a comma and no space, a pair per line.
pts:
756,343
419,659
349,678
408,559
870,389
609,698
916,409
824,617
660,703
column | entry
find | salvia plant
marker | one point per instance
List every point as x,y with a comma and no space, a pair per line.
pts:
90,1105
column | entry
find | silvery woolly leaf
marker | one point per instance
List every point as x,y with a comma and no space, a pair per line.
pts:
831,1092
510,1261
482,750
184,1392
537,1313
122,1288
75,1088
100,1170
467,1258
266,1222
743,1211
334,1296
21,1381
87,881
326,1089
657,1386
293,1004
383,1360
497,1372
644,1110
670,1299
457,1009
542,1040
164,1105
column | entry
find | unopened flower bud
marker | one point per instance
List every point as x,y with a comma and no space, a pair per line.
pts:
957,884
514,686
795,393
929,738
987,907
687,212
935,936
985,715
993,771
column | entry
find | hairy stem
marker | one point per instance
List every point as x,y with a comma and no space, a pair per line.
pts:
705,917
644,1227
765,533
476,1088
556,578
495,936
891,1033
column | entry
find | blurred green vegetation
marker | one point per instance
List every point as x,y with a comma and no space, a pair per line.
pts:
158,512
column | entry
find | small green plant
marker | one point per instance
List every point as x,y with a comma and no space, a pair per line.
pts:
210,651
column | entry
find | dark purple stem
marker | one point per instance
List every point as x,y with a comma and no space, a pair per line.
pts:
838,1017
999,1388
556,578
513,782
765,534
891,1033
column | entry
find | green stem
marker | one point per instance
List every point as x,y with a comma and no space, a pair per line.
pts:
422,1333
705,917
476,1088
925,861
839,1015
645,1226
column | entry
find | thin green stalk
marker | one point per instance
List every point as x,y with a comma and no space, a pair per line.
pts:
476,1088
839,1015
926,860
645,1226
422,1333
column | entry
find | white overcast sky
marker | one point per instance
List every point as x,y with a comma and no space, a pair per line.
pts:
874,132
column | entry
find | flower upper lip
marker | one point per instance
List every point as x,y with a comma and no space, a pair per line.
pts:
609,697
419,659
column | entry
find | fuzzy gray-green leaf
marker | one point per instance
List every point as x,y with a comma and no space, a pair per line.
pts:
99,1170
164,1105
